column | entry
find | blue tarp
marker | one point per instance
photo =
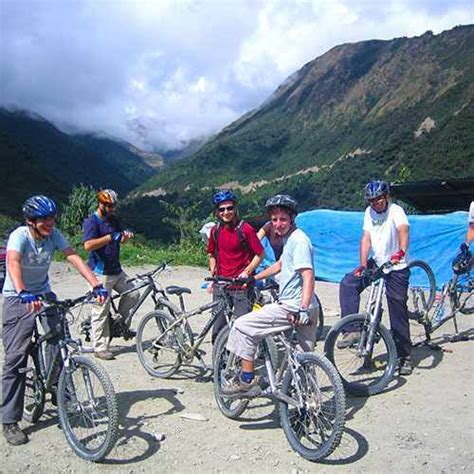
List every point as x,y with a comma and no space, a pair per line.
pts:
335,236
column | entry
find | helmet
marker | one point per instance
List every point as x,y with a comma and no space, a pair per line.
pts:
375,188
282,200
107,196
39,206
223,195
462,263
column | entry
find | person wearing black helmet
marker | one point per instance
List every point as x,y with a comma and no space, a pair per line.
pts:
102,236
234,252
297,303
276,240
30,250
386,235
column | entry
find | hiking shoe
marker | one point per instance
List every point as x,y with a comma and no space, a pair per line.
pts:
348,339
129,334
239,388
13,434
405,366
104,355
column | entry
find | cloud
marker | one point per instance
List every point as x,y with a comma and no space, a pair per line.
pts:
160,73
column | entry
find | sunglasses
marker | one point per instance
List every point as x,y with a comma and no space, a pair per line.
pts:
377,200
225,208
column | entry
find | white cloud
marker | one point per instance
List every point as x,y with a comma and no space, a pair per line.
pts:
161,72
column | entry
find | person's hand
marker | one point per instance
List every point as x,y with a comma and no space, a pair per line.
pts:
116,236
301,318
397,257
33,301
101,294
127,235
359,270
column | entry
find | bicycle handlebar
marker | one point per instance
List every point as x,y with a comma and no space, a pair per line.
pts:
373,274
151,273
67,303
230,281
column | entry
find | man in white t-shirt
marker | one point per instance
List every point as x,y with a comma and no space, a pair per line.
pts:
296,300
463,261
386,235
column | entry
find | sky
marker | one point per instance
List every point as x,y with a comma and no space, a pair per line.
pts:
161,73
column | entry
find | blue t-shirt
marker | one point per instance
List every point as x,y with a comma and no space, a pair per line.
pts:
297,255
106,260
36,256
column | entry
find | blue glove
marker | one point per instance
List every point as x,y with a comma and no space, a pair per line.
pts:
464,248
116,236
26,297
100,291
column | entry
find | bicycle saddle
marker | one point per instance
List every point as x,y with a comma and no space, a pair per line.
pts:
177,290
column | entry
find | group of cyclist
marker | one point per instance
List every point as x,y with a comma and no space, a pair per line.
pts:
234,250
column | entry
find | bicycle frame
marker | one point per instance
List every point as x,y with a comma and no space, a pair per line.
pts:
374,315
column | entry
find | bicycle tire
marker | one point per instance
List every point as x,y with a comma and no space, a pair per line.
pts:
421,290
233,408
82,419
462,297
320,325
372,375
34,400
151,326
325,396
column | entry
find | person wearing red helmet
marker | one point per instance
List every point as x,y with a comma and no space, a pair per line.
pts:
102,237
234,251
30,249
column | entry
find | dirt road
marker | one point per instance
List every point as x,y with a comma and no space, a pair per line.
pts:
423,423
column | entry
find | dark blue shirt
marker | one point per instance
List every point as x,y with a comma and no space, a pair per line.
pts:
106,260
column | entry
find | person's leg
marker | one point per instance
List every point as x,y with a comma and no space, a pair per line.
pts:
307,334
397,288
127,302
217,294
18,326
100,318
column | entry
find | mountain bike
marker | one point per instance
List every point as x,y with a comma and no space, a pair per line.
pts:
80,387
165,339
306,385
268,293
120,325
431,310
367,365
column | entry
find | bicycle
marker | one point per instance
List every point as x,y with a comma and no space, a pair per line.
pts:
165,339
268,293
120,325
368,364
79,386
431,310
307,387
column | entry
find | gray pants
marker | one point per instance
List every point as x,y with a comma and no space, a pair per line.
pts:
250,329
18,326
100,314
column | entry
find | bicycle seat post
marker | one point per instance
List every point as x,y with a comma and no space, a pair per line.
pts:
181,303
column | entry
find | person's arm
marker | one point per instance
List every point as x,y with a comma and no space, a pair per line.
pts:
212,265
365,246
268,272
307,275
99,242
16,275
403,237
252,266
470,234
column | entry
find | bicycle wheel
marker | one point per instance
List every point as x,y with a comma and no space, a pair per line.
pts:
320,326
33,406
362,373
159,358
421,290
314,429
462,295
87,408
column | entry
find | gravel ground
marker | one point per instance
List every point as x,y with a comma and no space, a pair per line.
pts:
422,423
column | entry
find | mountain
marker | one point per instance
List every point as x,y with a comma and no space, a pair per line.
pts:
35,157
399,109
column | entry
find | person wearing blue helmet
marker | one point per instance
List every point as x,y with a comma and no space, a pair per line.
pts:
464,260
234,252
30,249
385,235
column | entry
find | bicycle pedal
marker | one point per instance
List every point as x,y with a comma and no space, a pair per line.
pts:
25,370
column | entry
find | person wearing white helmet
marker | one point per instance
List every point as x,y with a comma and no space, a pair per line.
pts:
102,236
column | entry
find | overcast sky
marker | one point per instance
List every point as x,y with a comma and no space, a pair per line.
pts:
161,72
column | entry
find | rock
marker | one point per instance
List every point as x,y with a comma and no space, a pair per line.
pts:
159,437
193,416
234,457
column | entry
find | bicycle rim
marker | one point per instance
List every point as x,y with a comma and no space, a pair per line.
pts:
362,374
87,408
315,428
159,356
